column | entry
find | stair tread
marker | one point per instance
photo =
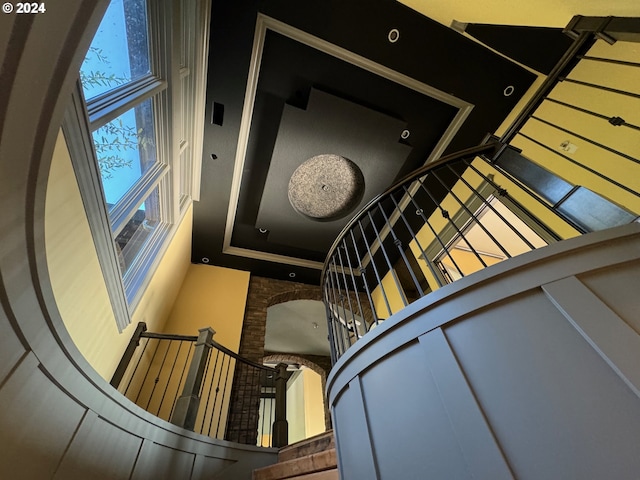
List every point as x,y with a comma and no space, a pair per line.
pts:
324,475
315,444
297,467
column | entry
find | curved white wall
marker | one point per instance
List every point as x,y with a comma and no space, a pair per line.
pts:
58,417
529,369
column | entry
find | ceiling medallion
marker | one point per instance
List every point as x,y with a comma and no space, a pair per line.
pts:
326,187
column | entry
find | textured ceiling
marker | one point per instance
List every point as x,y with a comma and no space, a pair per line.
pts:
298,326
299,79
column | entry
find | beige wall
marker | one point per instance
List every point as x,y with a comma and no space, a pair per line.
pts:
623,139
77,280
549,13
211,297
295,408
313,403
305,405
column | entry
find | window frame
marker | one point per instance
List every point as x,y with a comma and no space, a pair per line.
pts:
167,56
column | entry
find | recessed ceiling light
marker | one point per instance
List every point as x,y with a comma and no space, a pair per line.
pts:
292,275
405,134
263,230
419,212
205,259
509,91
394,35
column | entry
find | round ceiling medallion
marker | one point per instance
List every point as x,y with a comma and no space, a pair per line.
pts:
326,187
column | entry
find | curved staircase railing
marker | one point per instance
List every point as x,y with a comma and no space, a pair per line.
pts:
475,208
194,382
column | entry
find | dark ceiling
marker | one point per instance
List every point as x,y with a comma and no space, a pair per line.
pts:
289,80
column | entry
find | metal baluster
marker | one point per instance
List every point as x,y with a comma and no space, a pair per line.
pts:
262,411
420,212
588,140
346,287
341,297
581,165
397,242
206,406
364,280
445,214
329,295
601,87
355,286
215,399
335,303
271,411
173,366
144,380
123,365
386,257
224,393
245,416
332,345
524,188
155,383
254,393
475,219
414,235
608,60
491,207
133,374
184,368
375,271
617,121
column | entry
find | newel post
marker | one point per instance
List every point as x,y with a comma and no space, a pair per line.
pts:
186,409
128,354
281,426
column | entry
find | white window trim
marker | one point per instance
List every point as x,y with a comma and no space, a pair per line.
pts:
163,86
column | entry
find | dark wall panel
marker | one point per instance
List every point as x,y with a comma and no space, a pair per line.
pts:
10,346
37,423
354,435
437,455
163,463
99,442
517,371
532,372
621,297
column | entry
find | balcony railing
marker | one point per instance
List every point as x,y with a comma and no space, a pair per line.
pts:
188,381
568,165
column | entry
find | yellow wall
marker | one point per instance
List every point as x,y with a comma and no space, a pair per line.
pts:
211,297
76,277
387,296
295,408
305,406
180,298
623,139
550,13
313,403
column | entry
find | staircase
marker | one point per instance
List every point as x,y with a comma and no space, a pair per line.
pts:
310,459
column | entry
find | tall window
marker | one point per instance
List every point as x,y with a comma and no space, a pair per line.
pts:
125,89
134,130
